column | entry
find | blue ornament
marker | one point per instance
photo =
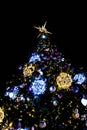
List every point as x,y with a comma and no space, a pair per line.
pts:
38,86
12,93
52,89
79,78
34,58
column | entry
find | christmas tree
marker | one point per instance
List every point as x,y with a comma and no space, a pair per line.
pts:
46,93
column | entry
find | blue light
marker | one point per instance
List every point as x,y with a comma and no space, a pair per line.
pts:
62,59
12,93
22,98
79,78
75,89
34,58
39,86
43,36
55,103
28,99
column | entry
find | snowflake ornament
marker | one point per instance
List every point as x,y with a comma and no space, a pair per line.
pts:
38,86
79,78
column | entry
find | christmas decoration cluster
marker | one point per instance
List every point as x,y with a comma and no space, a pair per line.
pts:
48,92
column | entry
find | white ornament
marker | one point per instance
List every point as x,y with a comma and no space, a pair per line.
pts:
42,124
84,101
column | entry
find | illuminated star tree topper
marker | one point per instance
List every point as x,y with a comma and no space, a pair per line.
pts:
42,29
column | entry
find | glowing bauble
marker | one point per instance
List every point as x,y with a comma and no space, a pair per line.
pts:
42,124
52,89
1,115
43,36
75,114
64,80
55,103
84,101
11,94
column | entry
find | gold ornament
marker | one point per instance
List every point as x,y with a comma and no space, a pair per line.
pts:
5,126
1,115
64,80
28,70
75,114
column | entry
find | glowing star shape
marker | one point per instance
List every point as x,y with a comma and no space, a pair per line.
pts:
79,78
34,58
39,87
28,70
42,29
64,80
1,115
